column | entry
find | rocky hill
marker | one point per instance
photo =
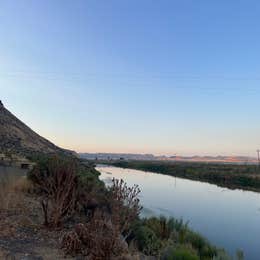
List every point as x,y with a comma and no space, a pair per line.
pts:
16,137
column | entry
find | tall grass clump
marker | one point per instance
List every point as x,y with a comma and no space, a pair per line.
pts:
12,193
169,238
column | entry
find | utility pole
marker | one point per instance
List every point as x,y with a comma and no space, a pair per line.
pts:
258,157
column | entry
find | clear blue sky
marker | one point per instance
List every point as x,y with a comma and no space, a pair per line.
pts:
161,77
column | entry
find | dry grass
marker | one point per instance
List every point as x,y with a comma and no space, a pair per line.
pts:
13,205
12,193
21,232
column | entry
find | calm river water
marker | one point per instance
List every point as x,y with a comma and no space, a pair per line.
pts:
228,218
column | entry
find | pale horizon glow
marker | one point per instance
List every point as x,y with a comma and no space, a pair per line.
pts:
163,77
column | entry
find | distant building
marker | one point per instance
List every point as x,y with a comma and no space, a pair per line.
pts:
23,163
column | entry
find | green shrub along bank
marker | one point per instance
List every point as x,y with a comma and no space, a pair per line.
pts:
232,176
172,239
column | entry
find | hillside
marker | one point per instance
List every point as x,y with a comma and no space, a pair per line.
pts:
17,137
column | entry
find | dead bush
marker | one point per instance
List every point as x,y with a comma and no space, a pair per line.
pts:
99,239
71,243
124,203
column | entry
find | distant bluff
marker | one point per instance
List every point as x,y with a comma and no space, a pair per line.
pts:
17,137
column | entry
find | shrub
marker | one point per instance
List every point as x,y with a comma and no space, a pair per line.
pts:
159,226
56,182
240,254
222,255
124,205
201,244
91,192
164,227
97,239
71,243
147,241
179,253
101,236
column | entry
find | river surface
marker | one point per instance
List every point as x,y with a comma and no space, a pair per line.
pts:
228,218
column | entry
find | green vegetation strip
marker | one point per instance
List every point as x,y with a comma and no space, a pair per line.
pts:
233,176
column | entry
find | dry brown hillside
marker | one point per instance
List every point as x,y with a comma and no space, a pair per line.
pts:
17,137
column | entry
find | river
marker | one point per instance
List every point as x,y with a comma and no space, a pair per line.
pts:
228,218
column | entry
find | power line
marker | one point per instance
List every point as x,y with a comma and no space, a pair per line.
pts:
187,82
127,75
73,76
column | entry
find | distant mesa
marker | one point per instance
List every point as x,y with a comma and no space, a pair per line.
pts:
116,156
151,157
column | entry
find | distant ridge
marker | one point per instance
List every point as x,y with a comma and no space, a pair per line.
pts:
17,137
151,157
116,156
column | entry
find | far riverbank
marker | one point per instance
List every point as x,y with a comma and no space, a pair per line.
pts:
232,176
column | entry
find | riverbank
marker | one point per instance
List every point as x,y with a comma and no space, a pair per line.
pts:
232,176
217,213
101,223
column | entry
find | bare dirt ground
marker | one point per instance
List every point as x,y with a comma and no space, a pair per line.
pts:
22,236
